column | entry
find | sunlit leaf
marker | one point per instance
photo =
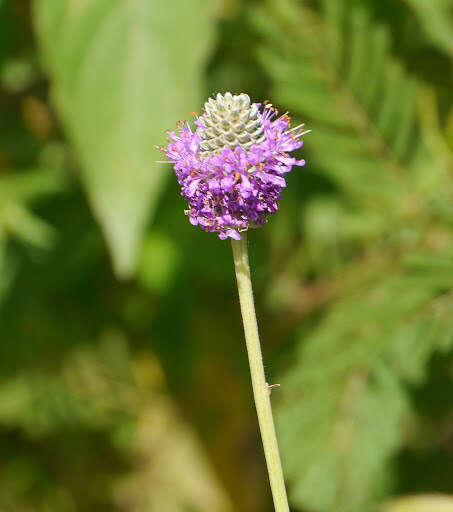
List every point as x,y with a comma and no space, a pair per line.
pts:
122,72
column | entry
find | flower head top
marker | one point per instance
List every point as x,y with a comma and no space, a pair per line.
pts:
231,168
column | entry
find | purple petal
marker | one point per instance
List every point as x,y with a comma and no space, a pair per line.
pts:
192,188
232,233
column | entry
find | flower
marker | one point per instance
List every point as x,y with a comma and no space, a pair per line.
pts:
231,168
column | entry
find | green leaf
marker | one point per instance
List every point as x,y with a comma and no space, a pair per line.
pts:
436,19
420,503
353,95
18,192
345,398
32,185
26,226
116,69
341,437
344,406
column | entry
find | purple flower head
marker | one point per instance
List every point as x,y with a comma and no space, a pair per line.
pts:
231,168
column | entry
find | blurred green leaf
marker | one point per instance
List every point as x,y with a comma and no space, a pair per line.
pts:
122,72
23,224
436,19
31,185
160,258
341,434
361,103
17,193
345,403
102,387
345,400
17,74
422,503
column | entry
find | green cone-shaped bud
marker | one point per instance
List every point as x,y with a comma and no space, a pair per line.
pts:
230,121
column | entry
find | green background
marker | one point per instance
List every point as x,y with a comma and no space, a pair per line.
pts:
124,382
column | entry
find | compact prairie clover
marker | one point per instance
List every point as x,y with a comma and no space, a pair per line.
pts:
231,168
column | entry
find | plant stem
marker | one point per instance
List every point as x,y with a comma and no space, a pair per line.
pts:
261,390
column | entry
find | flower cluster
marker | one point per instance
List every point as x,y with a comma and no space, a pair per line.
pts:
231,168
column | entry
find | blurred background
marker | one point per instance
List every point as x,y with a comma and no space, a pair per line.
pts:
124,382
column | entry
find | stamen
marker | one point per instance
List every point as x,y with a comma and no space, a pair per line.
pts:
302,133
293,129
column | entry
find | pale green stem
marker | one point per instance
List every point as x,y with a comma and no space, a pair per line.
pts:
261,390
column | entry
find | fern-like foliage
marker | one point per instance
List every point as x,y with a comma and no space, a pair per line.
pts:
345,402
436,19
